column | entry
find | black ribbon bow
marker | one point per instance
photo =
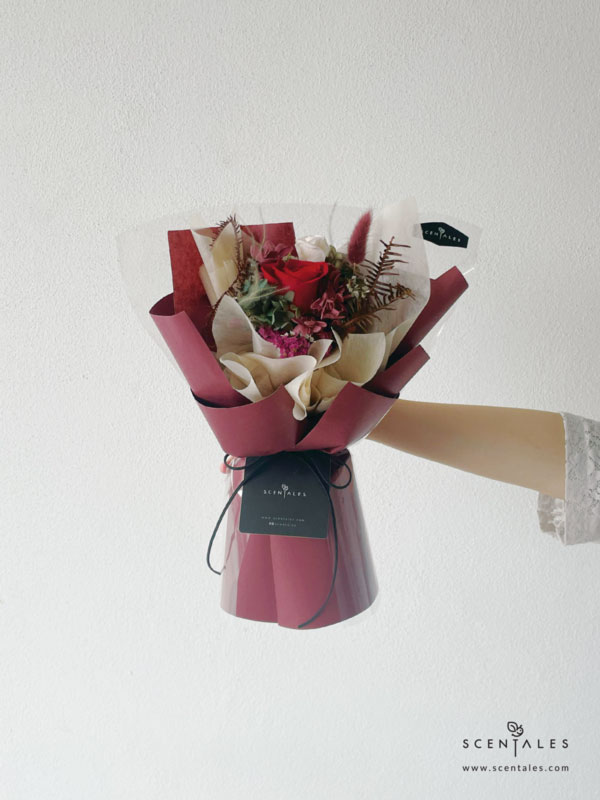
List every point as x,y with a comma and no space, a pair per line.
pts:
323,482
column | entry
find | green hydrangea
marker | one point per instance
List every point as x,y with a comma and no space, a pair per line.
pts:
263,306
340,262
358,287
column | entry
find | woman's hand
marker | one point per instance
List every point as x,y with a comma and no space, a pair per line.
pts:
522,446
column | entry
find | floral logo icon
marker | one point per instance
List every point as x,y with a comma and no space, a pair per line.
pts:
515,729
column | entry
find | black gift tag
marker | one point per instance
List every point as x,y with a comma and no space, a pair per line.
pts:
285,498
443,234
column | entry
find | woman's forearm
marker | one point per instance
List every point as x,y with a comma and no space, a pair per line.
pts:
515,445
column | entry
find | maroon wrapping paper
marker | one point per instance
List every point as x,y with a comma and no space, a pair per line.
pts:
285,579
192,353
445,290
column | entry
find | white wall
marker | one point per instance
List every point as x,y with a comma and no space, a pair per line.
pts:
121,677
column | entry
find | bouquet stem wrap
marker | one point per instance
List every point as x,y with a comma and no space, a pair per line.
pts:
285,579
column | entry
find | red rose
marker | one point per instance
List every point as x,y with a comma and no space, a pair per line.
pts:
300,277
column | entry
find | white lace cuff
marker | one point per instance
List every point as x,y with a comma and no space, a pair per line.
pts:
576,519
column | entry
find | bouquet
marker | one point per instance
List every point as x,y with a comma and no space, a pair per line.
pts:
294,348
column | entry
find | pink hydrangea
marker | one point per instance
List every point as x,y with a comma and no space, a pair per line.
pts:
267,250
331,304
288,344
308,326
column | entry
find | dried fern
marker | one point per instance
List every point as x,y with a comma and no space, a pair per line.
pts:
238,237
220,227
363,319
243,273
385,265
242,264
381,294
